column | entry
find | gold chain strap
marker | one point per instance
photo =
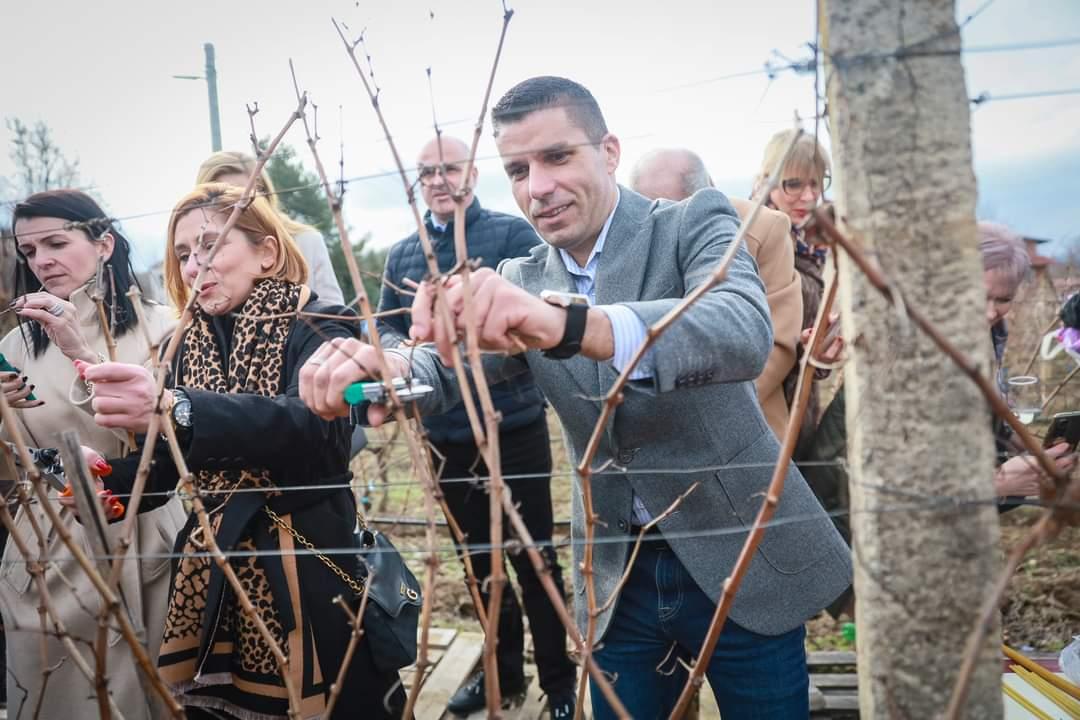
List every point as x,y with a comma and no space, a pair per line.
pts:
357,586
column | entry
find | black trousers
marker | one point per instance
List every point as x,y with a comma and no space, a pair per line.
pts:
524,450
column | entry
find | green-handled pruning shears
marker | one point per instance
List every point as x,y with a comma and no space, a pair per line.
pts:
362,394
375,392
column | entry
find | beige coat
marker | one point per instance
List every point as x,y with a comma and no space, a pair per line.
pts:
769,241
69,694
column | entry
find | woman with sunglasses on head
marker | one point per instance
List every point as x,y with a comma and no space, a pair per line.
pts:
253,448
69,253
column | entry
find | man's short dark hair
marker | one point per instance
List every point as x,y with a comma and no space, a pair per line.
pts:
548,91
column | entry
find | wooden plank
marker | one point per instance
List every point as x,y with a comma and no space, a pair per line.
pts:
830,657
439,637
842,702
817,699
454,668
535,703
834,680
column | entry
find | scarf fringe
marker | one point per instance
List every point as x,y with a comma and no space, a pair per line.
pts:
212,702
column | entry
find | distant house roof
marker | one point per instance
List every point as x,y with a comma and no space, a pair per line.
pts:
1037,260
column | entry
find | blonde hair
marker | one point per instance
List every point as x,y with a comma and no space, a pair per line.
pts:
808,159
228,162
258,220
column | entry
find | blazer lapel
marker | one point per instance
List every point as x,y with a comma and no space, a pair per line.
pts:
624,261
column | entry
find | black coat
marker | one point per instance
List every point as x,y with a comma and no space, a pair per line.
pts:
280,434
490,237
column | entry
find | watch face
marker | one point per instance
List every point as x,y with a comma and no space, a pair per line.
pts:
182,413
564,299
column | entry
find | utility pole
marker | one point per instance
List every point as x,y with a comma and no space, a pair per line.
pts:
918,429
211,90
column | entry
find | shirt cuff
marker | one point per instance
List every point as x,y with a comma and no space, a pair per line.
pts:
629,332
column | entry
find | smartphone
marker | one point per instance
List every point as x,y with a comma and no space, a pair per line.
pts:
1064,427
7,367
832,334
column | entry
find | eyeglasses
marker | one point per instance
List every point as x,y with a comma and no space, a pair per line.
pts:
429,173
795,186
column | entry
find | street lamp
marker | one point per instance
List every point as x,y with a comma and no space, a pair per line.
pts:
211,91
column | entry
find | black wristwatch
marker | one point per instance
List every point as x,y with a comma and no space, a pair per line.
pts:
577,311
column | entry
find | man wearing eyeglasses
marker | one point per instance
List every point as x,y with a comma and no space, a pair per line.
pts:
523,434
677,173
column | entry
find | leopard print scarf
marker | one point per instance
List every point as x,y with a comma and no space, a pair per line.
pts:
255,365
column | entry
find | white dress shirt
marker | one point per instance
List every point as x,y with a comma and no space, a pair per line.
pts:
627,329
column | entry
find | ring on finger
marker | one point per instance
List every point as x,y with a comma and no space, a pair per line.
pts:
56,310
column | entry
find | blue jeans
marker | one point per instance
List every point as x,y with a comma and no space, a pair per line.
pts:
662,616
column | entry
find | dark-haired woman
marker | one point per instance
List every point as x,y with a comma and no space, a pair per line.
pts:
61,236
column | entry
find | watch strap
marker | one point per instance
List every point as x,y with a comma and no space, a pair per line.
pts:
570,345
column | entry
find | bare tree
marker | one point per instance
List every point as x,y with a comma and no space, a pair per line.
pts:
40,164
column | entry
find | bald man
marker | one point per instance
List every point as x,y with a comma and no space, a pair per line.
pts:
523,434
675,174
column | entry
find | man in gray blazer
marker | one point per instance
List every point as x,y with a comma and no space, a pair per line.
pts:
689,414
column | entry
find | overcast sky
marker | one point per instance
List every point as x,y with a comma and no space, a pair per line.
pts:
100,75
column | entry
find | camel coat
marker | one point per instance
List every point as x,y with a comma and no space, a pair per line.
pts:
69,694
769,241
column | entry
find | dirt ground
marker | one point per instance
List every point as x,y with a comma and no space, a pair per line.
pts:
1041,611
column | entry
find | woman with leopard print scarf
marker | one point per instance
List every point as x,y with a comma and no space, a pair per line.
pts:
251,445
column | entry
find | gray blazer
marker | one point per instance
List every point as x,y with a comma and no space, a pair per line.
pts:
696,420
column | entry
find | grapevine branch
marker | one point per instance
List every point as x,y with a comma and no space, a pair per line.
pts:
47,607
7,417
1059,491
420,459
768,506
487,441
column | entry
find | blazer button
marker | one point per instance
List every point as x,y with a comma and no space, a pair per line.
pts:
623,525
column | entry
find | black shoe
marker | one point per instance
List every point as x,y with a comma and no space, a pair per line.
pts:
472,697
562,704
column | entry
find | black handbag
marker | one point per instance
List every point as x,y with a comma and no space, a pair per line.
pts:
393,608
